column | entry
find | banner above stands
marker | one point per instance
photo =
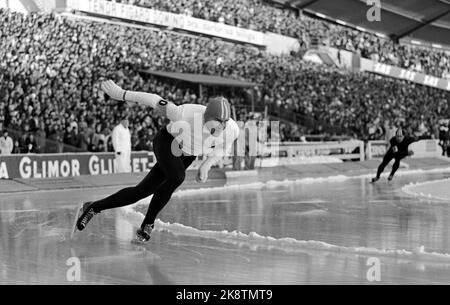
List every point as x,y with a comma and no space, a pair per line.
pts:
409,75
160,18
353,62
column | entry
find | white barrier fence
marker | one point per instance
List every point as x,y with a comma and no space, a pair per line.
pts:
346,150
421,149
376,149
286,153
270,154
28,166
290,153
426,149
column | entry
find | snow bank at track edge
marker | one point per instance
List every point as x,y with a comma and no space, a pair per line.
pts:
254,241
409,190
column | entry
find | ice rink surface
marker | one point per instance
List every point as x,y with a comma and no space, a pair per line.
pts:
315,232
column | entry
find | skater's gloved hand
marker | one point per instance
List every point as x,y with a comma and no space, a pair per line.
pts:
410,153
202,174
114,91
118,152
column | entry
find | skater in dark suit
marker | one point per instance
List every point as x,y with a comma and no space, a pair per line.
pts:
398,149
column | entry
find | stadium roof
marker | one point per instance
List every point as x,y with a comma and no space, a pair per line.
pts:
427,20
202,79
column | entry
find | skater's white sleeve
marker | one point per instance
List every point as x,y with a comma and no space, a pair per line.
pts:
163,107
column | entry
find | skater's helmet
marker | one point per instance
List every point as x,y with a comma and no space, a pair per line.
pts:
218,109
217,113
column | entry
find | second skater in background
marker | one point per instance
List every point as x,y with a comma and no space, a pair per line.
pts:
398,149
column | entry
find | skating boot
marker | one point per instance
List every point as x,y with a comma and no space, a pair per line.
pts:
84,215
143,233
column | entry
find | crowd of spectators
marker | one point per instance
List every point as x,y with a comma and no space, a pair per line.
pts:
261,16
50,68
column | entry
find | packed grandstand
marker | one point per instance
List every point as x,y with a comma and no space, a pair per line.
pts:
51,65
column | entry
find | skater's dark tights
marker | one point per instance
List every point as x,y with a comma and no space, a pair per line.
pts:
165,177
387,158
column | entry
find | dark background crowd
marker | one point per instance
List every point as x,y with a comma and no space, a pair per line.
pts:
50,68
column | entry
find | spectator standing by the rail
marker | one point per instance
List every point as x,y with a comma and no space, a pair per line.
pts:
6,144
443,136
121,140
16,148
31,145
41,138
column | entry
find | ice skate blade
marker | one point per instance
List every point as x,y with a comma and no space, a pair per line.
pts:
77,215
139,242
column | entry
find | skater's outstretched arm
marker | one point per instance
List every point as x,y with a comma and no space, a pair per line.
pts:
163,107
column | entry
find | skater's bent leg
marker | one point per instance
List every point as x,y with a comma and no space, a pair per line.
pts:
163,195
174,169
174,178
387,158
131,195
395,167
